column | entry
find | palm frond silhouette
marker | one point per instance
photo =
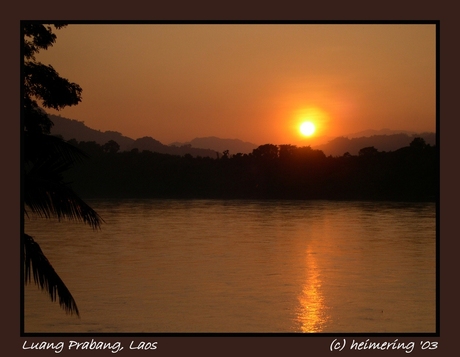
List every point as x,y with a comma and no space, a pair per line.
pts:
36,265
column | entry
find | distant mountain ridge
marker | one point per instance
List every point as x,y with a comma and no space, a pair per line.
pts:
392,142
150,144
234,146
74,129
385,131
382,140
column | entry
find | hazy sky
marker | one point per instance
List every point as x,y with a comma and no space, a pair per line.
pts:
253,82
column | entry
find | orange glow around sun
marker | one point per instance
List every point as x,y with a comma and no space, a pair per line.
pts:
310,121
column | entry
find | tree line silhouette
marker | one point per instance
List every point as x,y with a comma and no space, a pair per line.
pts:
46,158
269,172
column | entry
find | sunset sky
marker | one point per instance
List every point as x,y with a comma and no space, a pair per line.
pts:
254,82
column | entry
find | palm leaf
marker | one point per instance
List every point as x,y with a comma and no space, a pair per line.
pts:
36,265
45,192
48,196
47,147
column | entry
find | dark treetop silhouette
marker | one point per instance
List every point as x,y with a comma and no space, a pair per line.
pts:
45,158
269,172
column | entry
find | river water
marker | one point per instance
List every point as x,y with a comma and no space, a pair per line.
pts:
241,266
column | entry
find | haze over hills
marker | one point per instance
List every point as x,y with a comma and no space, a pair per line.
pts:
382,140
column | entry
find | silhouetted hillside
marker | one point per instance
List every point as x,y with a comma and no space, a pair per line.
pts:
74,129
210,146
372,132
150,144
341,145
234,146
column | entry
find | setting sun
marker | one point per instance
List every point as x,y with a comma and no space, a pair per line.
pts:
307,128
309,122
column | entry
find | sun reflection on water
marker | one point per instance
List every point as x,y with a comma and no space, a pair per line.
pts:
312,313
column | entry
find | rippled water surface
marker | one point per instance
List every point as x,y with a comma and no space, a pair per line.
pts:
242,266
